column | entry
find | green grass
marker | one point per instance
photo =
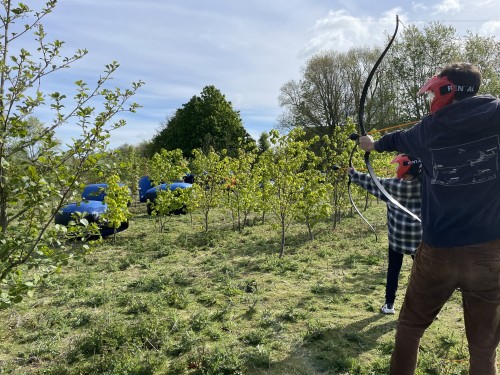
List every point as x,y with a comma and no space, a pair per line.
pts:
189,302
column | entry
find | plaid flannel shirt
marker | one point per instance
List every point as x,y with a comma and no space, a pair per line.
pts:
404,232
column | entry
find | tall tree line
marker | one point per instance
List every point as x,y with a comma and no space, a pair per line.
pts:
328,93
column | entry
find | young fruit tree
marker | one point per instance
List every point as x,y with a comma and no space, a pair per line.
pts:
242,188
117,198
287,163
35,185
210,169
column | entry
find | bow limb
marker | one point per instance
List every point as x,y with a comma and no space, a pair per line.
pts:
349,193
362,129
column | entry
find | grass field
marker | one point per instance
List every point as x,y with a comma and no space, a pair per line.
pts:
223,302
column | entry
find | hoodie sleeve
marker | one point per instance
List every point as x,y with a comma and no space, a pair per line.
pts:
403,141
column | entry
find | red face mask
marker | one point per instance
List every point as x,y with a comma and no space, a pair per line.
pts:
442,89
404,164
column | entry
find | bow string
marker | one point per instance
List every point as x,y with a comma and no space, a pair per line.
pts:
363,132
354,137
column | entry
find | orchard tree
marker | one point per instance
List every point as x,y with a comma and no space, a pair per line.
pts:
168,203
206,121
287,163
117,199
130,165
335,153
261,173
314,205
167,166
211,170
242,187
35,185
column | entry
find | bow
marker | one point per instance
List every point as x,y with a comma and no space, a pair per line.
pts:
361,125
354,137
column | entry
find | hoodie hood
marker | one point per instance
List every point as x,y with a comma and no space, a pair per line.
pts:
477,110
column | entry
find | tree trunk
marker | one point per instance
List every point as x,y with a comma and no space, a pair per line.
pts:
309,229
282,248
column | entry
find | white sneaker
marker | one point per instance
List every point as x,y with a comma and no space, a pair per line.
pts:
388,308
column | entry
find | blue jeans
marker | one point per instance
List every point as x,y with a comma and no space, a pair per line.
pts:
435,275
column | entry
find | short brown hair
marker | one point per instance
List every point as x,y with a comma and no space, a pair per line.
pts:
466,77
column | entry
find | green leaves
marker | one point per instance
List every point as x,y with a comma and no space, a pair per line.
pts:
117,199
37,175
206,121
21,8
242,192
169,202
288,165
167,166
210,169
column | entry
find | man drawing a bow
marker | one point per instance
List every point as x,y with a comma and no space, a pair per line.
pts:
458,145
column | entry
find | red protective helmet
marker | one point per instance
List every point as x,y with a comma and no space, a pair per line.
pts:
442,89
407,164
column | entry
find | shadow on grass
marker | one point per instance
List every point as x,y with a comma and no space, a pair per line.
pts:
343,349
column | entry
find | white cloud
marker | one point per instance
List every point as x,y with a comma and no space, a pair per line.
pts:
448,6
491,28
419,7
341,31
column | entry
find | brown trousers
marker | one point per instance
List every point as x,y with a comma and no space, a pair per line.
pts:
435,275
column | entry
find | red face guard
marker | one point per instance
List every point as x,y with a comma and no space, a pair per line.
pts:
442,89
404,164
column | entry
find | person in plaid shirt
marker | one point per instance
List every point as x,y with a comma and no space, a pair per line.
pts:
404,232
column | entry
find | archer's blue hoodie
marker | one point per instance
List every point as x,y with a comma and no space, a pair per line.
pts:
459,148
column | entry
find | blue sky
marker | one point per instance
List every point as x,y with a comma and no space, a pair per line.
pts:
246,48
